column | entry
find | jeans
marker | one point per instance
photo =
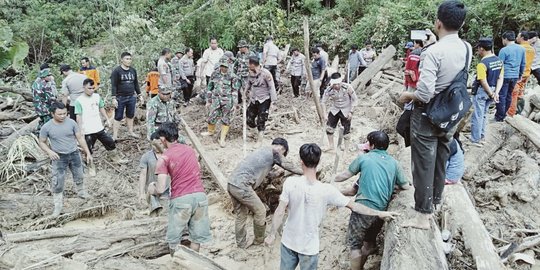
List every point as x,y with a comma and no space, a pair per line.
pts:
72,161
505,98
353,73
127,103
481,102
103,137
429,153
455,167
290,259
245,201
190,210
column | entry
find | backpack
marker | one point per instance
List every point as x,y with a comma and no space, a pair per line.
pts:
448,107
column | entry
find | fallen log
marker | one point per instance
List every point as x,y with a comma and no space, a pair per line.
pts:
464,217
364,77
526,181
19,91
496,135
526,243
185,258
408,247
526,127
29,128
216,173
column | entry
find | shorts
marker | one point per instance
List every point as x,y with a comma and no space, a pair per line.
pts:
190,210
333,121
127,103
362,229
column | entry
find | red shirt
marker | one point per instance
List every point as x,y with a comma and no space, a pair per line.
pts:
412,64
180,162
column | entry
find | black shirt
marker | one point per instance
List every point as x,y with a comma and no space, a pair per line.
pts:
124,82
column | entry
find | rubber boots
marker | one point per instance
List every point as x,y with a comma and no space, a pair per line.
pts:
58,199
211,130
224,131
259,232
81,192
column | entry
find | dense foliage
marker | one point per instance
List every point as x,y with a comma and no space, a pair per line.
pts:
57,31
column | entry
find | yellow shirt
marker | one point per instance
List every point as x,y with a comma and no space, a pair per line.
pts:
92,73
529,57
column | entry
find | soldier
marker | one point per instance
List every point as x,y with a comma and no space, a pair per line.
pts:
221,98
262,93
343,100
160,109
43,96
242,64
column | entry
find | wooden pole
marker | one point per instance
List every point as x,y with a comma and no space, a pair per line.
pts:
315,92
244,123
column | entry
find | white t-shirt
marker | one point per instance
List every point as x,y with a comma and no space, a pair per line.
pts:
307,204
211,57
88,108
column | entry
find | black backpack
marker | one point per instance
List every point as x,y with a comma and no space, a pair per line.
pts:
447,108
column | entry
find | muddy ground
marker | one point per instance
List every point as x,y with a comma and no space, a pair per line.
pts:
26,203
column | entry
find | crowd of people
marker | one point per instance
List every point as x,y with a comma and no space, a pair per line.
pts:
74,118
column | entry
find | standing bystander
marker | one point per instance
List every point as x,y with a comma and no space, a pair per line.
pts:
43,96
296,68
187,75
519,90
90,71
355,61
72,88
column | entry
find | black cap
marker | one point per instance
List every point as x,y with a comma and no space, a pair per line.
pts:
64,68
486,43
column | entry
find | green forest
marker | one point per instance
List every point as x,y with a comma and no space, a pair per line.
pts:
33,32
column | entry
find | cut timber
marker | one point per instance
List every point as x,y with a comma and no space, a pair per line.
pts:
218,176
10,89
527,127
409,248
496,135
364,77
186,258
527,243
464,217
315,92
29,128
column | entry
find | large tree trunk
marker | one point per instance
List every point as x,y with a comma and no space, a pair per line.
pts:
25,130
364,77
10,89
408,248
527,127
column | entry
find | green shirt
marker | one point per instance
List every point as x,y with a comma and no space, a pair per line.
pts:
379,174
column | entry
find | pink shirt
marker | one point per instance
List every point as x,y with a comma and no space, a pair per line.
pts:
180,162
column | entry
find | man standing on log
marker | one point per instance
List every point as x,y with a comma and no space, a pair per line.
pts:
296,68
342,103
307,200
221,99
262,93
248,176
88,107
440,64
490,76
124,91
379,173
43,96
64,135
72,88
188,206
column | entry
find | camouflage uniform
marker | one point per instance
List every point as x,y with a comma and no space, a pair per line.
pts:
159,112
222,93
43,94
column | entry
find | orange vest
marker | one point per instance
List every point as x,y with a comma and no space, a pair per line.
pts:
152,79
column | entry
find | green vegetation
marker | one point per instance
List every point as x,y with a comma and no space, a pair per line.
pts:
57,31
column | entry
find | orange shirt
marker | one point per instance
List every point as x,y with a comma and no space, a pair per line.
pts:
152,79
91,73
529,57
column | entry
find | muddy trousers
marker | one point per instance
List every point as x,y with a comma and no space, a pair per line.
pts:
245,200
259,111
429,153
296,81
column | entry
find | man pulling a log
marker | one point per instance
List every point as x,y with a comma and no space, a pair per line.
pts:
248,175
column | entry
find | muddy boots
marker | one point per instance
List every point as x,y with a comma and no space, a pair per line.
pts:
224,131
58,199
259,231
81,192
211,130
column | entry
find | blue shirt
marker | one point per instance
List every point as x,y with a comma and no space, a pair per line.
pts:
379,174
513,57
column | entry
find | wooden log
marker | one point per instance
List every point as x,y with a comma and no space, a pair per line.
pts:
29,128
407,248
19,91
216,173
526,243
315,92
464,217
185,258
526,127
385,56
496,135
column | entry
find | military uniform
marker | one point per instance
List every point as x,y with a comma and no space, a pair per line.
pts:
222,95
159,112
242,65
43,94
